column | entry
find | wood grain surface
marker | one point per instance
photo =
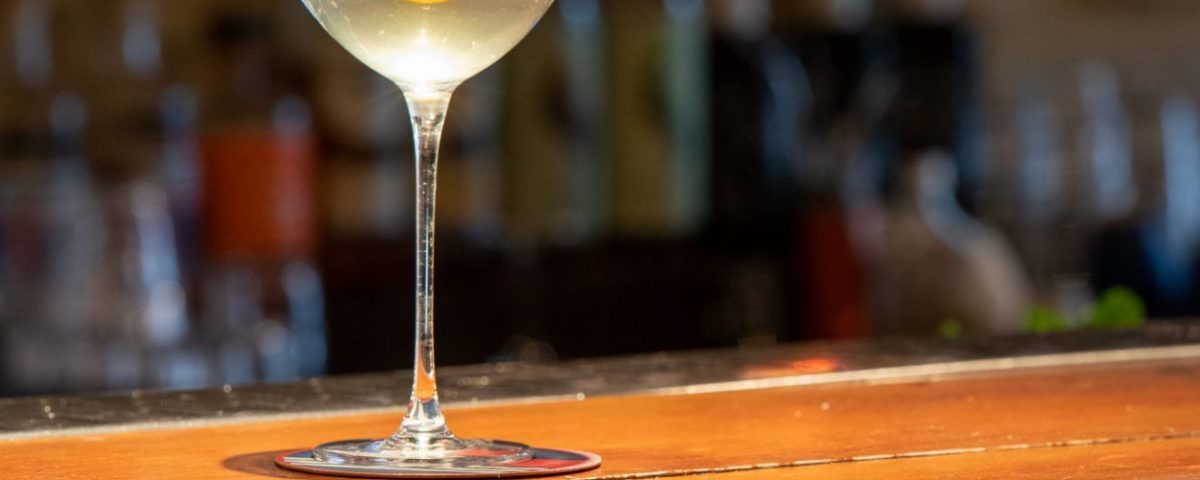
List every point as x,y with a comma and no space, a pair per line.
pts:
1171,459
1140,417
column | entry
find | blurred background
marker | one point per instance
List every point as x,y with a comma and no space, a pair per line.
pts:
202,192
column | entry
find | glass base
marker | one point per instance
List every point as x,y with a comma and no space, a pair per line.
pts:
377,464
445,452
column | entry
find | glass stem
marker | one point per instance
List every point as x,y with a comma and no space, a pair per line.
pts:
424,422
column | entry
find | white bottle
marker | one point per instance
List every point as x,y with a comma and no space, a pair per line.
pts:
940,265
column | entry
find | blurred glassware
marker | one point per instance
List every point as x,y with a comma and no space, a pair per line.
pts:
173,104
264,321
1040,190
146,117
48,216
49,221
140,318
144,155
32,45
1107,143
107,287
1107,150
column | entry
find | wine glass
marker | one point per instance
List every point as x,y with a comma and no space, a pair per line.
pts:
428,48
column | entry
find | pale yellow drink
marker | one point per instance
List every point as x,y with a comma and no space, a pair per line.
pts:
428,43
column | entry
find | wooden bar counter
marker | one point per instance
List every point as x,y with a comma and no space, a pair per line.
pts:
1090,414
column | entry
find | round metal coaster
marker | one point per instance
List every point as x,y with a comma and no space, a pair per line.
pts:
545,461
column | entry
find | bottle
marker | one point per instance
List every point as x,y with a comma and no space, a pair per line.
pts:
263,309
47,212
659,126
1116,253
555,129
939,266
1171,237
50,223
760,100
1107,144
844,146
1049,221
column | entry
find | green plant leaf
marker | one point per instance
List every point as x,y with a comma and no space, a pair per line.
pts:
1042,320
950,329
1118,307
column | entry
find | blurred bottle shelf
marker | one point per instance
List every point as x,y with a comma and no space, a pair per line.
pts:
636,175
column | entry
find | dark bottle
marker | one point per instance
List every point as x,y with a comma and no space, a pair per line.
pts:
760,100
845,144
1171,237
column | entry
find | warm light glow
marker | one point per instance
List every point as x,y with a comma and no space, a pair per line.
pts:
422,66
806,366
815,365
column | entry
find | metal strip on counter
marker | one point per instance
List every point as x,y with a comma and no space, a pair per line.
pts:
667,373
